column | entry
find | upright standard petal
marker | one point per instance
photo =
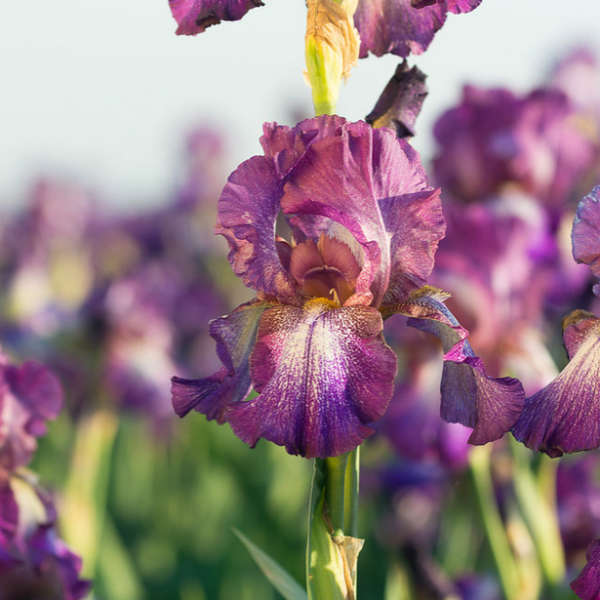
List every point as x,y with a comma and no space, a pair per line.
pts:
194,16
587,585
490,406
586,232
323,375
235,335
248,208
565,415
363,179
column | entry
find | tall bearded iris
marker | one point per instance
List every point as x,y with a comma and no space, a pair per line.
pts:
334,227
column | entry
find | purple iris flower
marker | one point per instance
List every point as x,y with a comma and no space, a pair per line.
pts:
358,229
495,138
30,395
400,27
34,561
565,415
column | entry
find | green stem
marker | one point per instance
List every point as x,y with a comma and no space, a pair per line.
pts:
331,547
537,502
479,462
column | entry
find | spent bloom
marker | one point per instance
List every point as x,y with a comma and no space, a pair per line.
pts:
334,226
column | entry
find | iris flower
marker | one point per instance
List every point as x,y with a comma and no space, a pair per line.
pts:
335,227
565,415
400,27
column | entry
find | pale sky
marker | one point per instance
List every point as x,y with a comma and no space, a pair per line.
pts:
103,91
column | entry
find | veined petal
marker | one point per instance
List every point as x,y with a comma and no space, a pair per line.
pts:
396,26
346,178
565,415
416,224
248,208
235,335
323,375
587,585
194,16
586,232
490,406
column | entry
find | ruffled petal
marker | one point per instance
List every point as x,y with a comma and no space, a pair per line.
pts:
416,224
323,375
587,585
490,406
358,178
212,396
194,16
248,208
565,415
586,232
396,26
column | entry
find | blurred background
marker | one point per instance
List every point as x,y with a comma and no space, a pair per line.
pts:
117,139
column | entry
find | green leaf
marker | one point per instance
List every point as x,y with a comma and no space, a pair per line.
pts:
281,580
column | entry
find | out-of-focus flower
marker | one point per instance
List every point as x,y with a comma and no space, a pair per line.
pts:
30,395
34,561
362,226
494,139
491,259
578,502
565,415
587,585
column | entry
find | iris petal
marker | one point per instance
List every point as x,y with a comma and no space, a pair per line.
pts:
235,335
323,375
587,585
565,415
490,406
194,16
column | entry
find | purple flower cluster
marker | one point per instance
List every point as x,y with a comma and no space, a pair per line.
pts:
115,303
34,562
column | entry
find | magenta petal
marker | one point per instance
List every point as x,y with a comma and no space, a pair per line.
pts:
355,178
462,6
586,232
396,26
194,16
587,585
565,415
490,406
36,388
212,396
417,224
323,375
248,208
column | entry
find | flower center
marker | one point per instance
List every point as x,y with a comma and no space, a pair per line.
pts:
325,269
